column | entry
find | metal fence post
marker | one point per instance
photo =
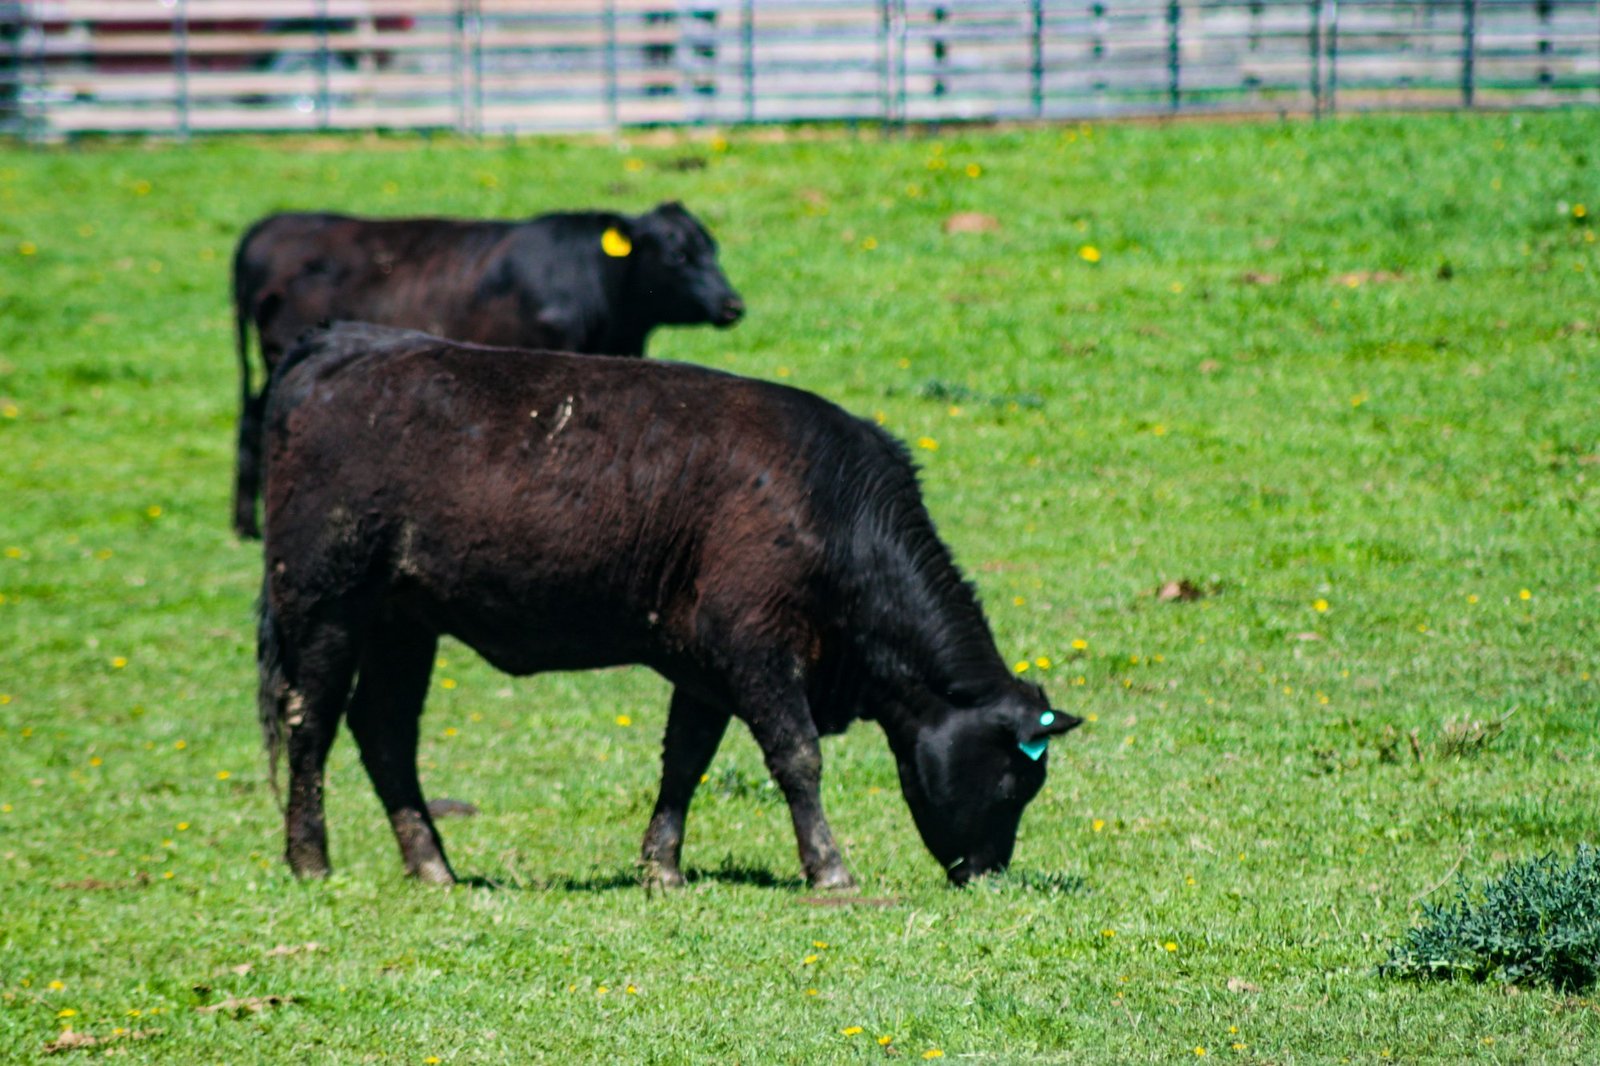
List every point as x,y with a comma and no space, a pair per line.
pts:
748,33
1036,73
1469,50
180,64
324,102
1333,56
613,104
1174,62
1316,59
885,92
901,48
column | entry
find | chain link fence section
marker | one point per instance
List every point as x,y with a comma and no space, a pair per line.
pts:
178,67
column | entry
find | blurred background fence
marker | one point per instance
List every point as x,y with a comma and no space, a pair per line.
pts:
492,66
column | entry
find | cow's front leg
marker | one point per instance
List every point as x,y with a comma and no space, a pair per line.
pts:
694,729
788,740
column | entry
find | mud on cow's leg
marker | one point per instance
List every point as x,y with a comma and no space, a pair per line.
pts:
788,738
313,705
385,715
694,729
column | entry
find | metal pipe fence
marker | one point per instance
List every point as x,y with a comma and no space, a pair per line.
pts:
492,66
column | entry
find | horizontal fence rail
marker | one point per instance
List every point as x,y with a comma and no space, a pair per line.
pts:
491,66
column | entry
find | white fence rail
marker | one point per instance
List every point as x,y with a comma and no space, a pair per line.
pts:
181,66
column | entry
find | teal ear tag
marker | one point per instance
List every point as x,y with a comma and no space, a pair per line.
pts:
1033,749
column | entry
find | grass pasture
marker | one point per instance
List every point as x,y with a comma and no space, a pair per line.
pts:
1339,378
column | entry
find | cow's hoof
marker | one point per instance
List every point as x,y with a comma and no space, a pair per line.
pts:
655,875
309,866
434,872
837,879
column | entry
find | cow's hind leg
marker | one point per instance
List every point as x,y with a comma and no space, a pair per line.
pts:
320,686
385,715
247,472
694,729
780,719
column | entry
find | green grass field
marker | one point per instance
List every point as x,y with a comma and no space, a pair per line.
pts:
1339,377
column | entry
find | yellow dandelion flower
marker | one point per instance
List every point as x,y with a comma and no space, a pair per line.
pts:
869,243
1097,825
119,662
851,1030
1237,1046
820,945
1472,597
719,144
1080,645
1042,662
1200,1051
809,960
1320,606
632,990
624,720
223,775
448,682
183,827
153,511
1017,601
450,731
56,986
1525,595
432,1060
1108,933
180,744
1089,254
973,170
933,1053
27,248
1176,286
811,992
885,1040
1021,667
928,444
633,165
66,1012
1579,211
95,760
10,410
1170,946
602,990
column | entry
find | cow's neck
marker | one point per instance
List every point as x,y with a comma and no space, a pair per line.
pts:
922,636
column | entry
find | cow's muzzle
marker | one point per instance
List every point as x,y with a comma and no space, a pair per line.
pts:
731,311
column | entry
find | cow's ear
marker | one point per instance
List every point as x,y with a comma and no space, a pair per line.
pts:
1034,729
1047,724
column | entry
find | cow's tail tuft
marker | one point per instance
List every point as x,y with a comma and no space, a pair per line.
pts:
272,701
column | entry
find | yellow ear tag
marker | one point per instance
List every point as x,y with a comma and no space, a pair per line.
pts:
614,244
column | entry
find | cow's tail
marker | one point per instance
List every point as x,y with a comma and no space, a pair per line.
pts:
272,700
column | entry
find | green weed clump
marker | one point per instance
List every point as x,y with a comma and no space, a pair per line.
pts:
1539,923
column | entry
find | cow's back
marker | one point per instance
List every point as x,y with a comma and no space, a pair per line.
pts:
298,270
488,487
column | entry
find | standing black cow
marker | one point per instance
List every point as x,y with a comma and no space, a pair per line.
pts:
594,283
763,550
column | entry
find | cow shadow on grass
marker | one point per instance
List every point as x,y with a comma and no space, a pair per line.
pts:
632,878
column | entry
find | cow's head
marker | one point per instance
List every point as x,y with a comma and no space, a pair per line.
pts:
674,272
968,773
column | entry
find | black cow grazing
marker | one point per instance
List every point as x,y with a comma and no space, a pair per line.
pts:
763,550
594,283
